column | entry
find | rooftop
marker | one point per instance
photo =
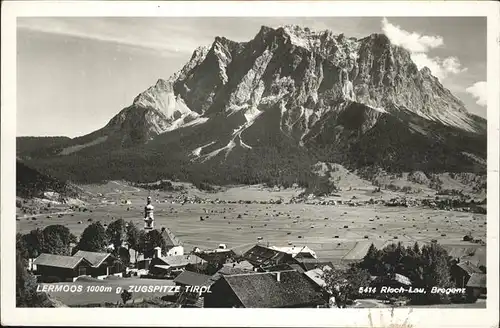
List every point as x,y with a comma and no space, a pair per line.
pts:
169,237
316,275
180,260
469,267
263,290
219,256
477,280
94,258
264,256
193,279
295,251
310,264
59,261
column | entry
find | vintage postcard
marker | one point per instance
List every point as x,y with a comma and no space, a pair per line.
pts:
222,163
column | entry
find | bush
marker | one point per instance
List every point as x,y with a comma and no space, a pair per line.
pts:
468,237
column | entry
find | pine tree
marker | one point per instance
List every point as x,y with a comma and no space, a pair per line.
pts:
372,261
133,238
57,239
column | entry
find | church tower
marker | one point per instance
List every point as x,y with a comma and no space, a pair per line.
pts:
148,215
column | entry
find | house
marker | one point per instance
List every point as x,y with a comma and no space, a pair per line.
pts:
217,256
316,276
297,267
143,263
285,289
173,245
297,252
308,264
54,268
263,257
138,260
193,288
103,264
243,265
229,270
476,286
172,264
189,278
395,280
462,271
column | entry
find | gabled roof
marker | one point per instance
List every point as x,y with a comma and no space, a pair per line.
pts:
170,239
297,267
310,264
228,270
263,290
244,265
469,267
218,256
316,275
402,279
264,256
95,258
399,278
193,279
299,251
179,260
59,261
477,280
278,267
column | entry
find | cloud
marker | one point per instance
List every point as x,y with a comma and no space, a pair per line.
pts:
411,41
419,46
152,34
479,91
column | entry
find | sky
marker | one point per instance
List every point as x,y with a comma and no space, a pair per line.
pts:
74,74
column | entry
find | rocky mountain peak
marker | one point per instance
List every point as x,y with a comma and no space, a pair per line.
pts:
293,95
307,74
425,71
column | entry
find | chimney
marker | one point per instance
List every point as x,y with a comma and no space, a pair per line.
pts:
278,276
157,252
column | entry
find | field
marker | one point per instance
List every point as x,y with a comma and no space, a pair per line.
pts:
335,232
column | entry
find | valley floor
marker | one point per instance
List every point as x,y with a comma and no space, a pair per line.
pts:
335,232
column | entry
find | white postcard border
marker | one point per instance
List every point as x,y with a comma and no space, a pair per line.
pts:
238,317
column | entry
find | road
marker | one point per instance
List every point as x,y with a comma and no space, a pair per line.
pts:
90,293
369,303
44,214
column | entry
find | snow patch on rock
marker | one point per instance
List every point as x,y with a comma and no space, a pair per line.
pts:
196,152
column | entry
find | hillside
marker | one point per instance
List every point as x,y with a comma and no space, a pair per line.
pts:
31,183
267,110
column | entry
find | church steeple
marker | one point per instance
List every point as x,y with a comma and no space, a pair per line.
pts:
149,215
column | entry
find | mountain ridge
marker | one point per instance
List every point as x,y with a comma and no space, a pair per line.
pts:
290,89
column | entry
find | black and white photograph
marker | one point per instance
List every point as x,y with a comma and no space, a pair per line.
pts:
320,161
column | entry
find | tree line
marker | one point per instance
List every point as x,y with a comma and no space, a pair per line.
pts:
57,239
426,267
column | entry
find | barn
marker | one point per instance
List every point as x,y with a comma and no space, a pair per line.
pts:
462,271
58,268
476,286
103,264
286,289
171,264
263,257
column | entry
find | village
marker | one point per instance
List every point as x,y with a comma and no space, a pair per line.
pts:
262,275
